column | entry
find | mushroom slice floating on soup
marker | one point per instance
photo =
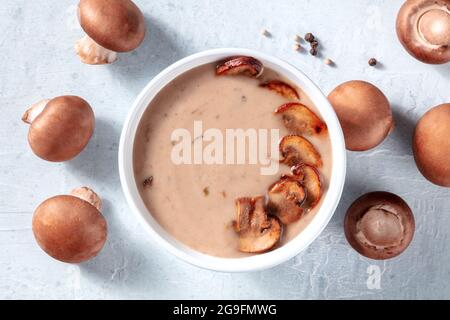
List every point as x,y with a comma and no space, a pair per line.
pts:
258,232
286,197
296,149
311,182
248,66
282,88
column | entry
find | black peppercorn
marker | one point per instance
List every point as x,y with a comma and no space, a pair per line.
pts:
309,37
372,62
313,51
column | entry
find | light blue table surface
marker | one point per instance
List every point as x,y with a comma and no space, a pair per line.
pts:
37,61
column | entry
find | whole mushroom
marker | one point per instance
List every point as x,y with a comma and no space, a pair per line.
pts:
60,128
379,225
431,145
111,26
423,28
364,113
71,228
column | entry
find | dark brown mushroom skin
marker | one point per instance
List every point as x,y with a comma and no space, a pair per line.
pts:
364,113
431,145
415,30
69,229
63,129
123,27
379,225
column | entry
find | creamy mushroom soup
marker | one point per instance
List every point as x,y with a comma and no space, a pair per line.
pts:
196,203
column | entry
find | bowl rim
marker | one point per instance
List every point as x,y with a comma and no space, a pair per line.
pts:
180,250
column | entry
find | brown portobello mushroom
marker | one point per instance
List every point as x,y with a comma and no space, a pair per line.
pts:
364,113
257,231
60,128
379,225
423,28
111,26
70,228
431,145
242,65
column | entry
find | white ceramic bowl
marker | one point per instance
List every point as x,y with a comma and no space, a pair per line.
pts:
256,262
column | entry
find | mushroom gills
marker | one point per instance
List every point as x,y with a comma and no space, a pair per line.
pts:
91,52
257,231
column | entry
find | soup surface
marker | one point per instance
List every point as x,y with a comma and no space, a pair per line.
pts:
195,203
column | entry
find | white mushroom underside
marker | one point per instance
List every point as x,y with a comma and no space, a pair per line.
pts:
91,52
34,111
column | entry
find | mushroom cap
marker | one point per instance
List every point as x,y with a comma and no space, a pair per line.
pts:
62,129
117,25
364,113
379,225
69,229
423,28
431,145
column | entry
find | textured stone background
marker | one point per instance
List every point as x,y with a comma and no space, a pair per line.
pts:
38,61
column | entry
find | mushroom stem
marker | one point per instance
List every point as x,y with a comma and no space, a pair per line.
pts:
91,52
34,111
87,194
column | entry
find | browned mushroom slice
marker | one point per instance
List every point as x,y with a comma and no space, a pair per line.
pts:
248,66
244,207
299,119
257,231
286,197
296,149
282,88
312,183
